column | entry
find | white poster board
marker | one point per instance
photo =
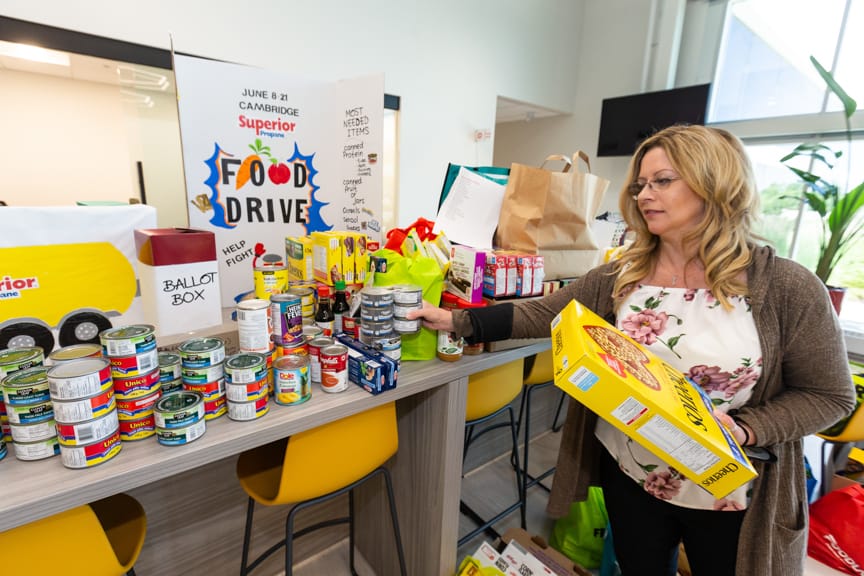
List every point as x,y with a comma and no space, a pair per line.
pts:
268,155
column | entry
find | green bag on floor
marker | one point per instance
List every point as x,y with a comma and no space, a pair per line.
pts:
580,534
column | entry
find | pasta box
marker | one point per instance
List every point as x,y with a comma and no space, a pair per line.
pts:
651,402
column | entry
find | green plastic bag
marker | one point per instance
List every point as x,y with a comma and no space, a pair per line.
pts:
581,533
421,271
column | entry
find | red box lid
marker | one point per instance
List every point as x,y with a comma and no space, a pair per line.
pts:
166,246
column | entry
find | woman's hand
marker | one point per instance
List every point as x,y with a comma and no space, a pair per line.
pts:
743,436
433,317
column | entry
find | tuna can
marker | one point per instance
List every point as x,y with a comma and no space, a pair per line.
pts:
179,409
384,314
311,331
209,390
96,406
201,352
286,312
135,408
30,413
291,384
270,279
215,407
88,455
138,429
405,326
376,297
131,366
407,295
137,386
203,375
128,340
254,325
389,346
334,368
88,432
181,436
245,411
169,366
315,347
172,386
29,451
75,352
288,349
33,432
15,359
376,329
248,391
29,386
245,367
79,378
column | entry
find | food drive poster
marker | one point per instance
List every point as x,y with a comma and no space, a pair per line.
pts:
269,155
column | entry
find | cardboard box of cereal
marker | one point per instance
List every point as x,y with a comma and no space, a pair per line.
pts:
651,402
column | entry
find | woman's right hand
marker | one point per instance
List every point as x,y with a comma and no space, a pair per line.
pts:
433,317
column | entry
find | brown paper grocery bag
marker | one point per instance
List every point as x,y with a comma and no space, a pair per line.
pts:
548,213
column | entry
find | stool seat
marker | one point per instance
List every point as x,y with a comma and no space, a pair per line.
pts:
842,441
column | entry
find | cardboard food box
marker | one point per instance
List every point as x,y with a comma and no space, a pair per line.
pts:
651,402
552,559
465,278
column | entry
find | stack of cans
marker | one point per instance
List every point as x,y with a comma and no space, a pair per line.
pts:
180,418
85,410
286,316
255,330
247,386
306,292
406,297
169,372
131,351
202,370
28,414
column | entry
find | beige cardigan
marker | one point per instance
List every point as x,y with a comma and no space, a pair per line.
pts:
805,387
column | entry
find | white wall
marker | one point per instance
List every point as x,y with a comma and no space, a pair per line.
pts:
447,59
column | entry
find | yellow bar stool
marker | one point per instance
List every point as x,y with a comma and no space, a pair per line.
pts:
316,466
103,538
842,442
489,395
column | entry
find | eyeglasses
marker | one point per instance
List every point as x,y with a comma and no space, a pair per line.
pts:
657,185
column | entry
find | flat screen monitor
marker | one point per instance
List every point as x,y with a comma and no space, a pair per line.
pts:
627,120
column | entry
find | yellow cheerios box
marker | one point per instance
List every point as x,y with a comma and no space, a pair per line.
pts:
326,257
648,400
298,256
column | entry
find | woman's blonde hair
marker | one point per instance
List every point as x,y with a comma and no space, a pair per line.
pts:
714,164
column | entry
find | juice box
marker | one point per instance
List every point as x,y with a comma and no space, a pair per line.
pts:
651,402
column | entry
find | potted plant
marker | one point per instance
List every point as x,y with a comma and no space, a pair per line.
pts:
840,209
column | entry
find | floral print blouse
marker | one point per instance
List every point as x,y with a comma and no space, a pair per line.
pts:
718,349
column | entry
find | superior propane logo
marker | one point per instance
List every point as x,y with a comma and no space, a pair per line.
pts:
11,287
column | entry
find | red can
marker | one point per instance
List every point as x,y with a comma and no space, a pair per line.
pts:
334,368
137,386
315,346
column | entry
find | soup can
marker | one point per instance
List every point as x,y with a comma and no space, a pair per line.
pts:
83,409
39,450
291,383
334,368
286,313
137,386
75,352
128,340
201,352
15,359
315,347
79,378
246,411
28,386
179,409
89,455
135,408
254,325
181,436
169,366
33,432
83,433
138,429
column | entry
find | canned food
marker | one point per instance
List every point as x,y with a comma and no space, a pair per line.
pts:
169,366
286,312
376,297
245,411
245,367
209,390
137,386
307,298
179,409
130,366
201,352
28,386
407,295
270,279
75,352
79,378
254,325
15,359
350,326
203,375
128,340
88,432
181,436
289,349
400,311
315,346
215,407
390,346
384,314
138,429
172,386
334,368
291,383
135,408
29,451
311,331
405,326
33,432
247,392
89,455
30,413
378,328
96,406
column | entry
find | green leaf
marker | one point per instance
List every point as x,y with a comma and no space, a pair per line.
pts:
649,467
672,342
718,401
635,308
849,104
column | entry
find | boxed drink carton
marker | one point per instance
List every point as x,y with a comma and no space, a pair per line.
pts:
465,278
654,404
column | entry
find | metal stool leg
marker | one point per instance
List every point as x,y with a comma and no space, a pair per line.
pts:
395,519
555,426
247,537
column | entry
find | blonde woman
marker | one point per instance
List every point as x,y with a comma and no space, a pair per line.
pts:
757,332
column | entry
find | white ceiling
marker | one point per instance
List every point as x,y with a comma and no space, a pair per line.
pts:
514,111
